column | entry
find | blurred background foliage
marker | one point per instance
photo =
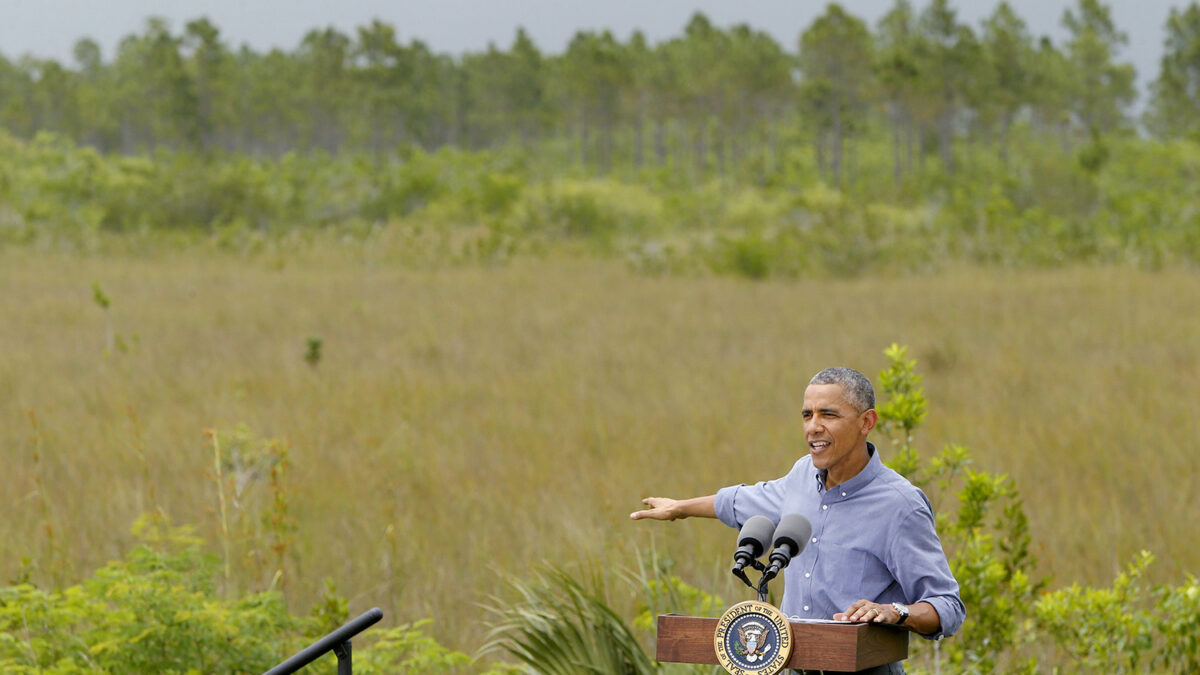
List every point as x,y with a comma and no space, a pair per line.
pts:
903,145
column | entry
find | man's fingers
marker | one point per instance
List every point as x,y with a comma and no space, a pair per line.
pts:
860,611
864,611
655,504
849,613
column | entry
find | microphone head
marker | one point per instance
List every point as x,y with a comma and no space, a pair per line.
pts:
756,533
793,531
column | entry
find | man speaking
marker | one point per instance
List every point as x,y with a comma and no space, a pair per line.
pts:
874,554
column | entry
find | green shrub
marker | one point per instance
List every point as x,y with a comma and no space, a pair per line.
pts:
1127,627
986,537
406,649
155,611
159,611
400,190
1177,621
750,255
596,210
1102,629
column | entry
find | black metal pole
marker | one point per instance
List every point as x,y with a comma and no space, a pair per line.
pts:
338,641
345,655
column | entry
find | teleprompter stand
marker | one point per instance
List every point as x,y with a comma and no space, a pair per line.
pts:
815,646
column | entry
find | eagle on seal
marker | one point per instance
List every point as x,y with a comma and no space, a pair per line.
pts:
749,636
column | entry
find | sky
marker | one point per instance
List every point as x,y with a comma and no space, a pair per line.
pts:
49,28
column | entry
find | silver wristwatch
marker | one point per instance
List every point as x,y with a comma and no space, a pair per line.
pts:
902,610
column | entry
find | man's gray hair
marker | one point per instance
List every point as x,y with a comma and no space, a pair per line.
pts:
859,391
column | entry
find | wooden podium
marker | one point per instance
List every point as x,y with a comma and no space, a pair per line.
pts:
815,646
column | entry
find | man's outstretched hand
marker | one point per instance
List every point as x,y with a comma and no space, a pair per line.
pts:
660,508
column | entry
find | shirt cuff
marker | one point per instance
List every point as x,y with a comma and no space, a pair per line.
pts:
948,618
723,504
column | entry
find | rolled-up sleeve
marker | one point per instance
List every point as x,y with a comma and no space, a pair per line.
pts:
738,503
919,566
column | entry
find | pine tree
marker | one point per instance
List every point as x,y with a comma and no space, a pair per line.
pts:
1175,105
836,60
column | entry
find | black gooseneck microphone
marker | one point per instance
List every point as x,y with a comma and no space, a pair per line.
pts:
753,539
790,537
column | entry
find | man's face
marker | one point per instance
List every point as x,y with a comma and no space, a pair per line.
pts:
834,429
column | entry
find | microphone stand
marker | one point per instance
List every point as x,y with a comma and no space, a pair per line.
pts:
761,587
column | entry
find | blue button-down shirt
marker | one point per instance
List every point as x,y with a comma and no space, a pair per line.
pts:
873,537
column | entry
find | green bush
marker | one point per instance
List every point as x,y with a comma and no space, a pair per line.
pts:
595,210
155,611
1127,627
986,537
750,255
159,610
1177,621
406,649
1102,629
400,190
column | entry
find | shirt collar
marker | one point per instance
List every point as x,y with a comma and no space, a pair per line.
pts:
864,477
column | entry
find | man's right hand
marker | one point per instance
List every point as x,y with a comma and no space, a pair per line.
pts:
662,508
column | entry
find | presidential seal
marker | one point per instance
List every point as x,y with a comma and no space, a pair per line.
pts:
753,637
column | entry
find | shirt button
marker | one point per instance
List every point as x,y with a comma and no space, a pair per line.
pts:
807,575
843,494
806,608
825,507
814,540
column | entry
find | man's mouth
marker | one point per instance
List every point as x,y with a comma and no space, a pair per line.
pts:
818,446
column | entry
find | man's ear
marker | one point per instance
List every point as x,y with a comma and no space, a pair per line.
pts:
870,419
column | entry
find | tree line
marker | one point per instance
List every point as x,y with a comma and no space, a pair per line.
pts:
705,100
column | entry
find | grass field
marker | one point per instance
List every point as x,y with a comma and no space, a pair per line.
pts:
464,423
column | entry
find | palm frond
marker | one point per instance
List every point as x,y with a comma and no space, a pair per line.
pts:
558,627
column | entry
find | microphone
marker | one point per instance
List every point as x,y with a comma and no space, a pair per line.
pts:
752,541
790,537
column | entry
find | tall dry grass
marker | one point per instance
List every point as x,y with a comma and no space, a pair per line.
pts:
494,418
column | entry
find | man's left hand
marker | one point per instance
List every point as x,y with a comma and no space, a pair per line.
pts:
865,611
